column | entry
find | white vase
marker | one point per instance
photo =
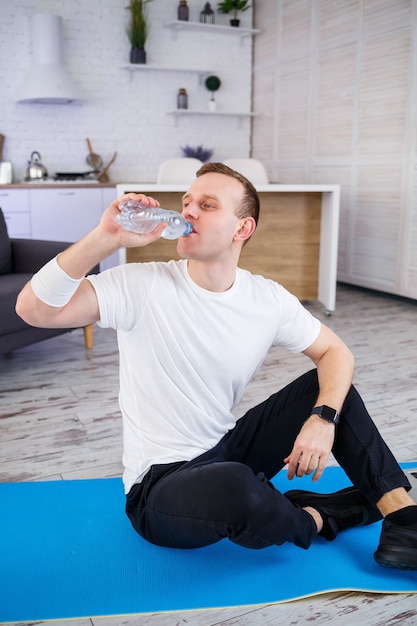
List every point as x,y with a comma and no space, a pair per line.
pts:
212,105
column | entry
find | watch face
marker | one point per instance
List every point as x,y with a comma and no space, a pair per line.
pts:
327,413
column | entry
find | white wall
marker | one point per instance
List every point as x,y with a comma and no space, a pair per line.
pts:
335,83
122,114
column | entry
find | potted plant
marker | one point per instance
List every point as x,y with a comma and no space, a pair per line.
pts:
235,7
199,152
138,29
212,83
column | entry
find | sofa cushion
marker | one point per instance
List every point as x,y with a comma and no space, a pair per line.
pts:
10,286
5,247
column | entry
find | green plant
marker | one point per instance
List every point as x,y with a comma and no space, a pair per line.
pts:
233,6
138,27
212,83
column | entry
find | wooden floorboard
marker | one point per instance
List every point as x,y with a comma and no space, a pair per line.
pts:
59,419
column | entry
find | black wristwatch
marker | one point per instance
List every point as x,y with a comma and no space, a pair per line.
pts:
326,413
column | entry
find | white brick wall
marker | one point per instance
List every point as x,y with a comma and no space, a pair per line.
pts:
122,112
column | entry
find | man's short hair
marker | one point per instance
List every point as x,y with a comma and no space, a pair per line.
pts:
249,204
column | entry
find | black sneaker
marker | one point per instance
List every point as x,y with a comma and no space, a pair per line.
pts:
340,510
397,547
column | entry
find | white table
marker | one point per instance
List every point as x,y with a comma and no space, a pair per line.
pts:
300,202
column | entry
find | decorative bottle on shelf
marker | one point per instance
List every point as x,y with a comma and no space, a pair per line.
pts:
183,13
182,99
141,218
207,14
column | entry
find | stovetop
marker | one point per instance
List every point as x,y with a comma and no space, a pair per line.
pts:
63,181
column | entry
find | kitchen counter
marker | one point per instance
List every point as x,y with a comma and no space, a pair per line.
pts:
56,184
295,243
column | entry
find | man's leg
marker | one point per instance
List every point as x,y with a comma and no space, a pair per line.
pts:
266,434
209,499
225,492
367,460
260,440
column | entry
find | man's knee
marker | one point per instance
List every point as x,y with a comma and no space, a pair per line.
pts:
234,487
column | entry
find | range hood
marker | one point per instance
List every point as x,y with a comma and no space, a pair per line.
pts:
48,81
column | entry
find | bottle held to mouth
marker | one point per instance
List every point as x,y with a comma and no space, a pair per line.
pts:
141,218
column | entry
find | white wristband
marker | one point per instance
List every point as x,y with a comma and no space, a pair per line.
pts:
53,286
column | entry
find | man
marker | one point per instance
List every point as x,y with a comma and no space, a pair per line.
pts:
191,335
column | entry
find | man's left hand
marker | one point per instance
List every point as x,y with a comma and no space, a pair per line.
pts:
311,449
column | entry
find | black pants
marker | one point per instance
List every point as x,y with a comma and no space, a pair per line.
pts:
226,492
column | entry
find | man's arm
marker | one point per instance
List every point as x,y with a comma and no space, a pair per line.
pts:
74,263
335,365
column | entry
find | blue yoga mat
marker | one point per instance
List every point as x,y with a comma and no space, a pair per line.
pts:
67,550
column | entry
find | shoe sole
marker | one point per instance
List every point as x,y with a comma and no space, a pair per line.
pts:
318,497
397,561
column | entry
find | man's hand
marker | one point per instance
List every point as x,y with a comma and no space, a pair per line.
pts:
124,238
311,449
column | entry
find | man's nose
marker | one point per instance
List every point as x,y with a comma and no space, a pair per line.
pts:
190,210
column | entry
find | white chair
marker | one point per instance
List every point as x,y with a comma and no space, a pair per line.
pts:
178,171
252,169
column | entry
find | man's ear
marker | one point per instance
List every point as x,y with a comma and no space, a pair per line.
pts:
247,228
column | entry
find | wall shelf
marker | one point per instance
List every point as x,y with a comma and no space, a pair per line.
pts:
178,25
144,67
179,112
240,115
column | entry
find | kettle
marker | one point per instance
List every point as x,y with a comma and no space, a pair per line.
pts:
35,171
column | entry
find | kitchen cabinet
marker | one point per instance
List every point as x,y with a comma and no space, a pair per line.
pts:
55,213
64,214
108,194
16,209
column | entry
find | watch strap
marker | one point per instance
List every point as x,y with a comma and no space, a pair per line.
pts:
326,413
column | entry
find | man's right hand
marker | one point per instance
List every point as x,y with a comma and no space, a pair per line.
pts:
125,238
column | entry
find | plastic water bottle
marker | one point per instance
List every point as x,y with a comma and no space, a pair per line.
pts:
141,218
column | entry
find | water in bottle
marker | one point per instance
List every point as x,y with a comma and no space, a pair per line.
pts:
141,218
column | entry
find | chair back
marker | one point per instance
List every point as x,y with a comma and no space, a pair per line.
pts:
178,171
252,169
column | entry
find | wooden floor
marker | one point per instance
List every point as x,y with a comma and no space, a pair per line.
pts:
59,420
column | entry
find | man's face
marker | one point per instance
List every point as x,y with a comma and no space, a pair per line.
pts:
209,205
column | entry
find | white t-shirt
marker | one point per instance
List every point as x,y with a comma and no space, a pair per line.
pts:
187,354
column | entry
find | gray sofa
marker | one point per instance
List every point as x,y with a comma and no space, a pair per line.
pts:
19,260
